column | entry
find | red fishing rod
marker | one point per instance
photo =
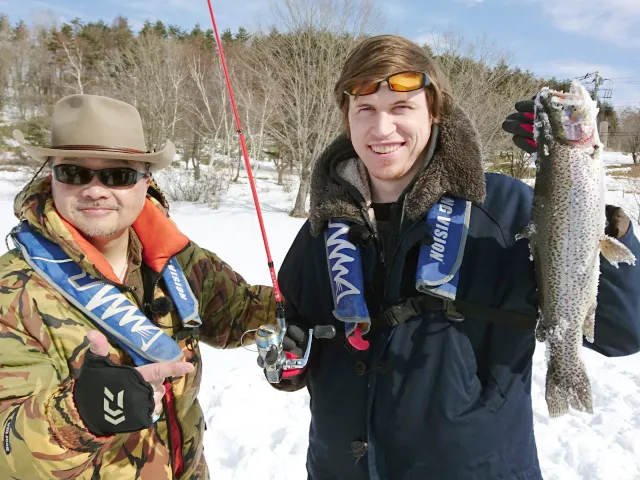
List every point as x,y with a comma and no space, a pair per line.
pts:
268,337
274,279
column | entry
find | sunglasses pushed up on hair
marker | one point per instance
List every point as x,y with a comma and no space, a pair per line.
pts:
110,177
398,82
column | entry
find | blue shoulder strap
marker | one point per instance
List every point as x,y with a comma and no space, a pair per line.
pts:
181,294
438,269
345,270
104,304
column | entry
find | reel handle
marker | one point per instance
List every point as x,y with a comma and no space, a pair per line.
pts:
319,332
324,331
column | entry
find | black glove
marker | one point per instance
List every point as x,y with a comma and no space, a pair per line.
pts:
617,222
112,398
520,125
295,342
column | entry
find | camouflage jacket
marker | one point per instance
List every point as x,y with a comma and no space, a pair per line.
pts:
43,343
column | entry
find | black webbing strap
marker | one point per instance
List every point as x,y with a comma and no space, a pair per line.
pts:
457,310
503,317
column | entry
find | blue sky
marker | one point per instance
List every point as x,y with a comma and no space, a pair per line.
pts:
564,38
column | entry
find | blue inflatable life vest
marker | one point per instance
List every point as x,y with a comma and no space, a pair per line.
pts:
104,304
437,273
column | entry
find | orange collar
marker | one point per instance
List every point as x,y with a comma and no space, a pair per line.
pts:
159,236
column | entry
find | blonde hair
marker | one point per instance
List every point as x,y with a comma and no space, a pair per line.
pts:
377,57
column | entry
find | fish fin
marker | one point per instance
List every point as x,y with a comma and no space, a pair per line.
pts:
568,388
588,328
555,393
616,252
557,402
579,390
528,231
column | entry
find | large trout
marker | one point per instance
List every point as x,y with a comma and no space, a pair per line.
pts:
566,235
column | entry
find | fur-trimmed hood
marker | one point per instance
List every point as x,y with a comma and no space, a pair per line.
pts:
340,182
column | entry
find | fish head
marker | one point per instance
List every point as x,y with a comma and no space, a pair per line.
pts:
571,116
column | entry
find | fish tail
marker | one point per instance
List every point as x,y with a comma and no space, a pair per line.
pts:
580,390
568,388
555,394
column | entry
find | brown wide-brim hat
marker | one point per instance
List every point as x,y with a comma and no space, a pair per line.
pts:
97,127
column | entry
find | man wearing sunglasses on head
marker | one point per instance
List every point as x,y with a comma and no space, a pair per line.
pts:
103,302
410,252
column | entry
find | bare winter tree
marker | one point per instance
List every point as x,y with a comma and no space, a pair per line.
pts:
254,105
19,61
629,135
254,95
634,213
209,108
5,57
73,46
629,183
633,209
516,163
151,75
484,84
212,109
301,64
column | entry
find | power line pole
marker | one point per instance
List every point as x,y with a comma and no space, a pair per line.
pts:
597,82
603,127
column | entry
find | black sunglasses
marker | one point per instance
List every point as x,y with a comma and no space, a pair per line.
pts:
110,177
398,82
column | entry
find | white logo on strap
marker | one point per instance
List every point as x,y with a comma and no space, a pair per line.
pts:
341,244
441,232
176,281
111,296
113,416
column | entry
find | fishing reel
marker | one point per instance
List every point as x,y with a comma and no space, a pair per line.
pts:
272,357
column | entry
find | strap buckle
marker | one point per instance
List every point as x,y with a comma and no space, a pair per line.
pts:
451,313
400,313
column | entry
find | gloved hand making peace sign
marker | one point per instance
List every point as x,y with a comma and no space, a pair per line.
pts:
114,398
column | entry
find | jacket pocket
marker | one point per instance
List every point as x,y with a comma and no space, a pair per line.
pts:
465,358
492,396
488,393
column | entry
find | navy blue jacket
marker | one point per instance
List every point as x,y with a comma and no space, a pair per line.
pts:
432,398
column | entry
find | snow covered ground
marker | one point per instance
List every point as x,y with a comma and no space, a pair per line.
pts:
255,431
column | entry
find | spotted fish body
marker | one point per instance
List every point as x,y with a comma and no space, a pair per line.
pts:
566,235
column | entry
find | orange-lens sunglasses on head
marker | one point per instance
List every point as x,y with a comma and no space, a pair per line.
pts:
398,82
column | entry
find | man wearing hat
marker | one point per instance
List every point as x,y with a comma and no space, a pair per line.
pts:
103,301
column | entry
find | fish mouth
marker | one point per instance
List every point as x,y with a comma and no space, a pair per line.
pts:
581,142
